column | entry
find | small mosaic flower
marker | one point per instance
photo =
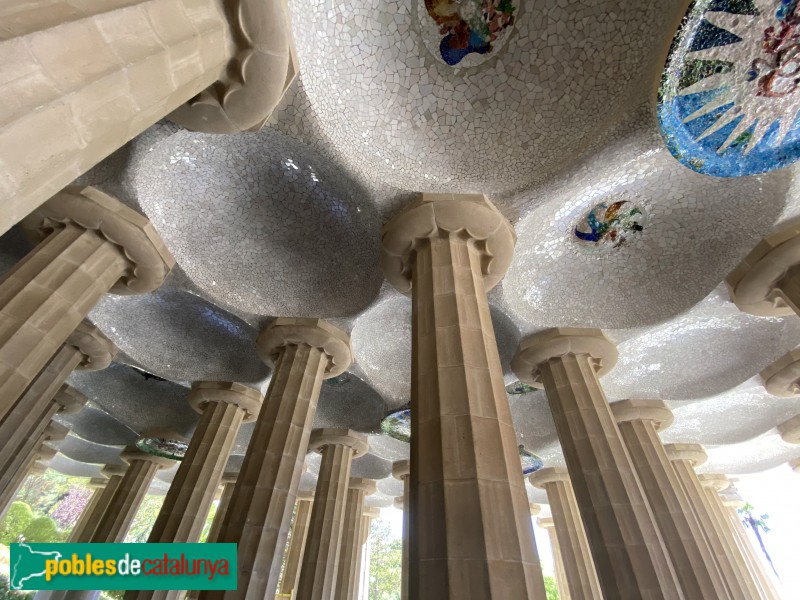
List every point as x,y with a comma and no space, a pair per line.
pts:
398,425
607,226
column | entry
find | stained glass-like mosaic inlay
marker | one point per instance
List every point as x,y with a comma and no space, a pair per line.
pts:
530,462
518,387
729,97
163,447
465,32
607,226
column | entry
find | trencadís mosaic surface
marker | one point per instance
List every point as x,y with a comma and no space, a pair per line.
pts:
729,96
608,225
530,462
163,447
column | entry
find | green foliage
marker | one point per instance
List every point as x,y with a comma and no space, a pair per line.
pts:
7,594
752,520
386,563
18,517
209,520
145,519
550,588
40,530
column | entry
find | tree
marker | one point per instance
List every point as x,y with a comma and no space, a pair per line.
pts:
41,530
145,519
385,563
18,517
757,524
68,510
550,588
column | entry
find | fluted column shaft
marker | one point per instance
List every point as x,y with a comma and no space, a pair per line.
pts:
297,544
628,552
319,569
88,84
94,511
347,579
222,508
123,504
558,559
734,579
574,552
689,550
10,489
470,528
755,564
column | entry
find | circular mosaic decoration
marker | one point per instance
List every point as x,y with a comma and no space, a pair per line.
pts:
172,449
465,33
398,425
607,226
530,462
518,388
729,97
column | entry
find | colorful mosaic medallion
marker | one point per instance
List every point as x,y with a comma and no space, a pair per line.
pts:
465,32
398,425
730,94
607,226
163,447
530,462
518,387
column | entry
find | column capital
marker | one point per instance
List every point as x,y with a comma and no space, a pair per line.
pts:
782,378
55,432
715,481
643,410
338,437
545,522
401,469
305,495
316,333
733,502
753,283
98,351
398,503
205,392
534,508
560,341
70,400
694,454
97,482
790,430
794,465
229,477
362,484
91,209
132,453
431,215
45,453
38,468
114,470
373,512
547,475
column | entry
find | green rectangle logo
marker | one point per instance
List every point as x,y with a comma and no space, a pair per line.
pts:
122,567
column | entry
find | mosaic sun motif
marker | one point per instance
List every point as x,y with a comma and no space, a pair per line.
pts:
465,32
172,449
729,98
607,226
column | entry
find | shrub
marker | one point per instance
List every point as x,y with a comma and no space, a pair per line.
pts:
17,519
42,529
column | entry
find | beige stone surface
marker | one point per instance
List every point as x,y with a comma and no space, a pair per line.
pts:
93,510
470,530
629,553
297,544
562,586
571,551
782,378
320,566
639,422
347,577
228,483
303,352
790,430
685,458
401,470
795,465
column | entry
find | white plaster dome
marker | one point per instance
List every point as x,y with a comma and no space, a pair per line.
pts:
554,78
261,223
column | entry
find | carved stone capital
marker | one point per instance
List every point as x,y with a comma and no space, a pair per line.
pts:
97,482
114,470
782,378
362,484
545,522
373,512
547,475
715,481
89,208
643,410
205,392
98,351
305,495
45,453
561,341
401,469
534,508
435,215
790,430
55,432
795,465
70,400
753,285
262,68
315,333
338,437
694,454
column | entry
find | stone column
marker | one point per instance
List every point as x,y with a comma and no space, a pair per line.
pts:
228,482
370,514
83,79
471,534
89,513
628,551
86,348
31,464
297,544
574,554
347,577
548,525
132,488
754,563
46,295
685,458
401,470
21,430
304,352
319,570
639,422
93,514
